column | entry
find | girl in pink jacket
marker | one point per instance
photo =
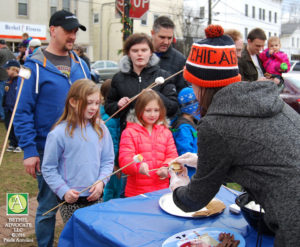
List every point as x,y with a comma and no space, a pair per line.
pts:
274,61
147,134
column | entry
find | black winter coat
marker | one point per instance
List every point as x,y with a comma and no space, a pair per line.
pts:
127,83
173,61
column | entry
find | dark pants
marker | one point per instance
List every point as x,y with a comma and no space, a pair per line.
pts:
13,140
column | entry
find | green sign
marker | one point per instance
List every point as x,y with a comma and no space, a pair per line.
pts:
17,203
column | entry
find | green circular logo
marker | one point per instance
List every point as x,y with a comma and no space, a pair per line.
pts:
17,203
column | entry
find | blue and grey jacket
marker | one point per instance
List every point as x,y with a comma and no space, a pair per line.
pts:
42,100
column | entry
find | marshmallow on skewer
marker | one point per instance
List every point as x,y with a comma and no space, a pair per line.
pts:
24,73
176,167
138,158
159,80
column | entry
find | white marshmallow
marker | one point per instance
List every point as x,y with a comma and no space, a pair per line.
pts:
138,158
159,80
234,209
25,73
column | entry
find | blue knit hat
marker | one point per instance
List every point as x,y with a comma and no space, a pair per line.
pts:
188,102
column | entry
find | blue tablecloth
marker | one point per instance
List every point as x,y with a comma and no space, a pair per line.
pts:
139,221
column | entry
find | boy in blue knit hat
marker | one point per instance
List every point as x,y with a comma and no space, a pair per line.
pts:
184,128
10,92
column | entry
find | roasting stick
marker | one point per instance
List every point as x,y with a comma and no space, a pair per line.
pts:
157,82
136,159
125,176
24,74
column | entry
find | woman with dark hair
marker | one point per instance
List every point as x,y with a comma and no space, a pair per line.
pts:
246,134
138,69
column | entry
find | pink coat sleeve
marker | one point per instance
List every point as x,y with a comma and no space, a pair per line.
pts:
127,152
283,58
263,55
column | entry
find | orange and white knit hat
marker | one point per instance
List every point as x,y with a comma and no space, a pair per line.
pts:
212,62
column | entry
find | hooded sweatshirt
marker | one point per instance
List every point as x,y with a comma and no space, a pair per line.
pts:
252,137
42,100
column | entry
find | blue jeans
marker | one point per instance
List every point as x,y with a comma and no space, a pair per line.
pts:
45,225
1,99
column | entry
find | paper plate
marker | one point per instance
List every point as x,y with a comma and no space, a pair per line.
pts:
180,238
167,204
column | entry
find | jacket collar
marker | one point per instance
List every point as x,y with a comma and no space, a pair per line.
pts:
125,63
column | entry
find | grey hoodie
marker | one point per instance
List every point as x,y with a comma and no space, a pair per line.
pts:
252,137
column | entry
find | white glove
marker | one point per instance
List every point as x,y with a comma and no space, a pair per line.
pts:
144,169
189,159
178,180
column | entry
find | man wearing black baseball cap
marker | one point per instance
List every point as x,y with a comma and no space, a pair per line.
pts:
66,20
54,69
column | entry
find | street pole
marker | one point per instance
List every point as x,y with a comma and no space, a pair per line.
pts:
209,12
127,22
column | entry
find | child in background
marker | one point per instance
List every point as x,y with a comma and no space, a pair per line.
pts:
115,187
147,134
274,61
79,150
184,128
9,99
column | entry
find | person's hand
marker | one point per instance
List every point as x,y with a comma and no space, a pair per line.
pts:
123,101
179,179
71,196
263,79
118,174
276,81
162,172
271,51
32,165
189,159
144,169
97,191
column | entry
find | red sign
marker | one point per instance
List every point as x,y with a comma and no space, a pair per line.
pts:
137,9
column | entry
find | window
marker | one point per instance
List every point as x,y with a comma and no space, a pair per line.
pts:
96,18
275,17
253,11
260,14
246,32
293,42
155,17
53,7
144,19
66,5
264,14
298,42
246,9
270,34
22,7
202,13
275,34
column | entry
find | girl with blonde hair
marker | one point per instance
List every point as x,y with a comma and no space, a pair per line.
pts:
79,150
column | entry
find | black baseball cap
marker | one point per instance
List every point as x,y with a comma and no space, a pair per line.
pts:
66,20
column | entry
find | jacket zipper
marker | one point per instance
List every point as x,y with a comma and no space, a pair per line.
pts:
140,81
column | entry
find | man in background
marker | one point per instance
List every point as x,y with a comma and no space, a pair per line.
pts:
171,60
250,65
54,70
